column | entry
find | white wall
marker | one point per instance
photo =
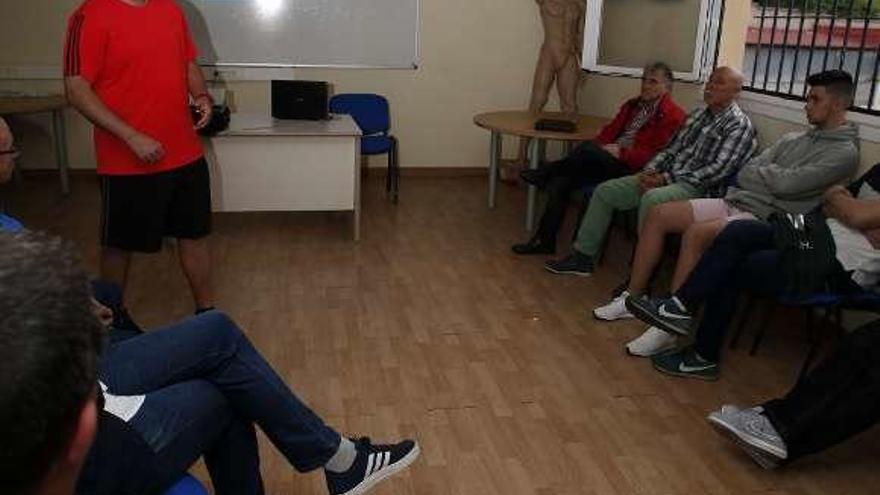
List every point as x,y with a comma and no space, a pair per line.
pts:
475,56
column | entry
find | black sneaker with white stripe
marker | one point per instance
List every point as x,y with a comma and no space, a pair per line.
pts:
372,464
667,314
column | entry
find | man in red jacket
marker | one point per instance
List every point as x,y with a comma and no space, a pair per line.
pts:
643,126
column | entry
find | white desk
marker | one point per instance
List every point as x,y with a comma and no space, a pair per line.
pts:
263,164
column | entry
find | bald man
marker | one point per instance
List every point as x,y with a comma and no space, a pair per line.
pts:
714,142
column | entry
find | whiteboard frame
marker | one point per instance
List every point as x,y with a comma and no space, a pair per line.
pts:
414,65
704,54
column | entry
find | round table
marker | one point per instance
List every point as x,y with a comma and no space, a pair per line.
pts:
521,123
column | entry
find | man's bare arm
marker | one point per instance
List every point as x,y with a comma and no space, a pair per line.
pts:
82,97
859,214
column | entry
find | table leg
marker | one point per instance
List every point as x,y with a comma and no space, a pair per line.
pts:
60,134
494,159
357,190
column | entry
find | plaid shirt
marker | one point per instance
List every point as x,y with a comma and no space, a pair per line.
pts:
708,149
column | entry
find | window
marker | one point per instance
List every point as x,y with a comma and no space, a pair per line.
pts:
789,39
621,36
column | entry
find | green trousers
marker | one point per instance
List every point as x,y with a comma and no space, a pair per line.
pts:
619,195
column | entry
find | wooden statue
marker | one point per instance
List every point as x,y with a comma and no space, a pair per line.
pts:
560,57
559,61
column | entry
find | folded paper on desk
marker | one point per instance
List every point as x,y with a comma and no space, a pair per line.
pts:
555,125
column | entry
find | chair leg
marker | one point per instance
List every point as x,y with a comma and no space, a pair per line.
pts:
743,320
838,322
762,329
389,177
392,184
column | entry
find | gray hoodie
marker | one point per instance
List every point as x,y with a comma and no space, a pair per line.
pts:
792,174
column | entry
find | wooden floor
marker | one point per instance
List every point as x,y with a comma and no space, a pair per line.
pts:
430,328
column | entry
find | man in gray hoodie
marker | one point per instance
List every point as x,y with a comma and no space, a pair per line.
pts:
790,176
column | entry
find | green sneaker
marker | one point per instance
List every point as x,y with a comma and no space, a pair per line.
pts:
687,363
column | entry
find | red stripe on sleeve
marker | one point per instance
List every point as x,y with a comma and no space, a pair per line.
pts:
72,55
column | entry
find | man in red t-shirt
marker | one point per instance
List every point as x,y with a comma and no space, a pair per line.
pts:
129,67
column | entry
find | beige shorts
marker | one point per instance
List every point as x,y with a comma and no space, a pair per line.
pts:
708,209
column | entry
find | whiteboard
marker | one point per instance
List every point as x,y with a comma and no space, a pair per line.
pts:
305,33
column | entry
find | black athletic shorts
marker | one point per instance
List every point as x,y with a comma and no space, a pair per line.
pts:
138,211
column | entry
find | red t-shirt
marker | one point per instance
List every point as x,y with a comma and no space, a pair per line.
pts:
136,60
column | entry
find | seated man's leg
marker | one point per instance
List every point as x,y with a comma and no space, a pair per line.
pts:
212,348
837,400
661,220
722,261
665,194
711,217
694,242
186,420
715,270
563,167
572,164
589,164
610,196
759,274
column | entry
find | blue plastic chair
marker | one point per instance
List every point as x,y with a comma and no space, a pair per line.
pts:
833,305
372,115
187,486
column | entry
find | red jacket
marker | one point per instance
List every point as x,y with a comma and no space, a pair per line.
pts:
651,138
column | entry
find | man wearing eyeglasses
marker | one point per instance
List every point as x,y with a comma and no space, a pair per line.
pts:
8,154
129,68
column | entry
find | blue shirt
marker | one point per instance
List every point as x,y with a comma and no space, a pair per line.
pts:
9,224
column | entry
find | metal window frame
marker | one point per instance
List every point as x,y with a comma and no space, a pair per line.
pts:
706,43
816,51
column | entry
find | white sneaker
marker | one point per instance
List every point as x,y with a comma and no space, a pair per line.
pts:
653,341
615,310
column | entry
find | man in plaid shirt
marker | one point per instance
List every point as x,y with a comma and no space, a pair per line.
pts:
714,142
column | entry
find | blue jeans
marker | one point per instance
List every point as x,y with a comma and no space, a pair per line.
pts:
743,258
206,386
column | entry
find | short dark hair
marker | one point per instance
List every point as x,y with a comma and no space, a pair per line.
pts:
49,342
837,82
663,68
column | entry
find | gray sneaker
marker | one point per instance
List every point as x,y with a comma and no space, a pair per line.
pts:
753,432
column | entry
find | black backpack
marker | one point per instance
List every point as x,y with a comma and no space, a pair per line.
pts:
807,252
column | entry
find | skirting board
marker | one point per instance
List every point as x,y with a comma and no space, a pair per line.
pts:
427,172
